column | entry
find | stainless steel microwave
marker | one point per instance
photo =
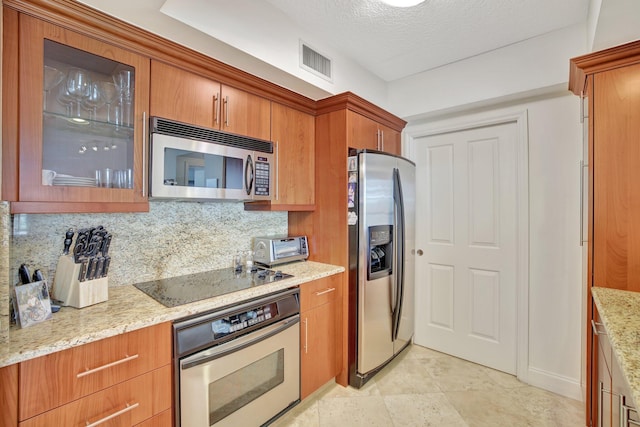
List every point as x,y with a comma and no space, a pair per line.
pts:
196,163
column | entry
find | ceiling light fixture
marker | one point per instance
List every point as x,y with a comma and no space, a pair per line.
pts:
402,3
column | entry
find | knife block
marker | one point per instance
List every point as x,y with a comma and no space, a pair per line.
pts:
71,292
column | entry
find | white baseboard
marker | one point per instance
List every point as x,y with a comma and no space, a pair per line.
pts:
564,386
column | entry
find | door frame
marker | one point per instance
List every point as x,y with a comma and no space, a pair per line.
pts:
471,121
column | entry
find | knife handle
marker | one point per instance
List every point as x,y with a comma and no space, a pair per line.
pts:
105,269
68,238
38,276
82,275
23,272
100,268
93,269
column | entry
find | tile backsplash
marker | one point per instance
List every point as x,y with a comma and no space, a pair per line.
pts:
172,239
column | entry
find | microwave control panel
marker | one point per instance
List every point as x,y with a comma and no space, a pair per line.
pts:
263,170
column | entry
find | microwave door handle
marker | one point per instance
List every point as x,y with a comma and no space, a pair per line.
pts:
248,181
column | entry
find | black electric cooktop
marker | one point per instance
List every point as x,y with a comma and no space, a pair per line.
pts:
175,291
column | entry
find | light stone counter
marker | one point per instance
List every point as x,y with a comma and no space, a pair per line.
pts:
620,314
128,309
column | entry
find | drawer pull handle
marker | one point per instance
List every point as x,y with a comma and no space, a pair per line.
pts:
108,365
326,291
115,414
595,325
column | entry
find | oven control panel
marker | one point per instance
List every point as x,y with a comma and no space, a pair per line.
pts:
239,321
210,329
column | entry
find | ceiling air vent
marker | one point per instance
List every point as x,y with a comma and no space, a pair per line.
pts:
314,62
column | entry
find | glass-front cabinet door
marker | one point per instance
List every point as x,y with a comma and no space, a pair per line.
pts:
83,105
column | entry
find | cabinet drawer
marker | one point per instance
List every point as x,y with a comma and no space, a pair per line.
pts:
163,419
59,378
318,292
125,404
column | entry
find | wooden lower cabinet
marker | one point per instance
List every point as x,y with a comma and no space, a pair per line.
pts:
125,380
163,419
125,404
9,396
607,406
319,332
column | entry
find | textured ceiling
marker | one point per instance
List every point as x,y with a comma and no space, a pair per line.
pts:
395,42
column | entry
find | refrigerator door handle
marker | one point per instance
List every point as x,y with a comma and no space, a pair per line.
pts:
399,239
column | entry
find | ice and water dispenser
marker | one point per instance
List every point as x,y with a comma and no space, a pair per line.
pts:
380,251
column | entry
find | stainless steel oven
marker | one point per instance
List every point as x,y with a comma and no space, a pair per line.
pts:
239,365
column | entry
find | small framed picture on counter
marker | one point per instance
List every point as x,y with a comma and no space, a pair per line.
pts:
32,303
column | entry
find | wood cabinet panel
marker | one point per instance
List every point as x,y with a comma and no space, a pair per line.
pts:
320,333
245,114
293,135
390,140
319,292
128,403
317,352
365,133
616,195
362,132
32,35
9,396
163,419
56,379
186,97
609,79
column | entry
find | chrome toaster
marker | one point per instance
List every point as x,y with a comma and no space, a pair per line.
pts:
279,249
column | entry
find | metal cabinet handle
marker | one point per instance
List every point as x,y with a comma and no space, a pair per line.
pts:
114,415
419,251
595,325
216,98
306,335
226,111
326,291
624,411
381,140
277,171
108,365
144,154
582,166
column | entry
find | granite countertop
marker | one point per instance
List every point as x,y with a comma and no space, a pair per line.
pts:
129,309
620,314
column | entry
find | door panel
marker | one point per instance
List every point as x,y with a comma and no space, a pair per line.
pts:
466,298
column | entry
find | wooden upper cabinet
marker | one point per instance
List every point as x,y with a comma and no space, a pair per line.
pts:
187,97
244,113
390,140
362,132
616,194
61,130
365,133
293,135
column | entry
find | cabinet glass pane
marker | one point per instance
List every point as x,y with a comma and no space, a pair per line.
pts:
88,110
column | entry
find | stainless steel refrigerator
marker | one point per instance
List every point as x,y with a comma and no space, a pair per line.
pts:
381,191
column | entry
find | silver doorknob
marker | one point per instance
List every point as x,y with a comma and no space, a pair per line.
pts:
420,252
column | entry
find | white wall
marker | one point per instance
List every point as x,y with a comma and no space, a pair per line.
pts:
555,298
522,68
554,357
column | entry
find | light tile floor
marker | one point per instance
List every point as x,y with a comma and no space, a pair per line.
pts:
425,388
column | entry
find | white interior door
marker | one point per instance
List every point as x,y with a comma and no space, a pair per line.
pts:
466,227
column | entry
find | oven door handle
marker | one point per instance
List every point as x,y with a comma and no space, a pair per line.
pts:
239,343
